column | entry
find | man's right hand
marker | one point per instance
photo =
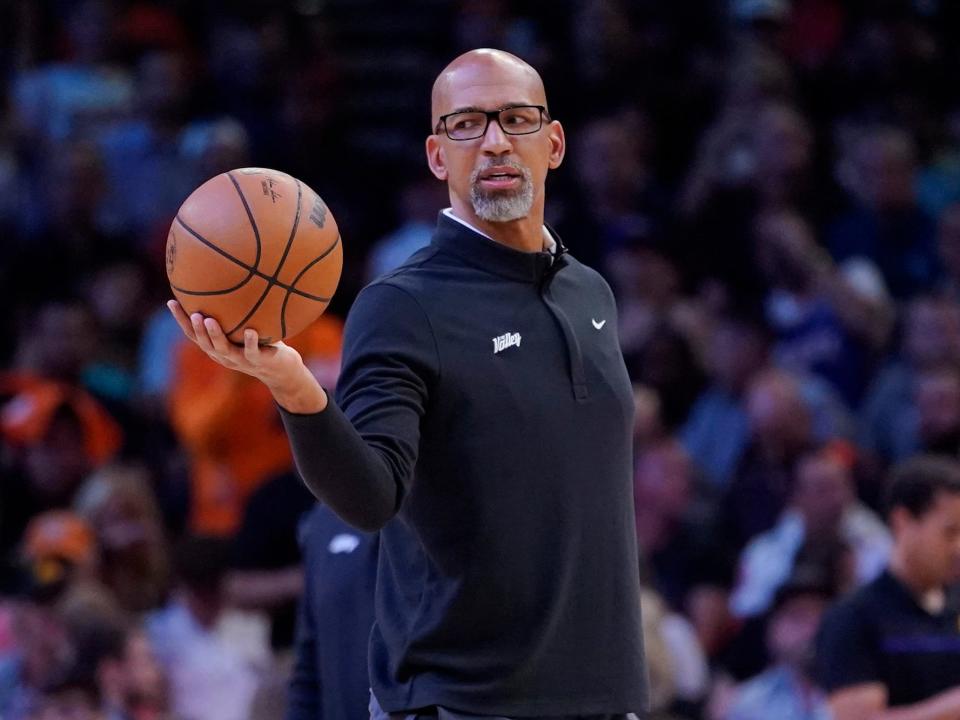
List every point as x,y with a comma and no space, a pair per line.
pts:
278,366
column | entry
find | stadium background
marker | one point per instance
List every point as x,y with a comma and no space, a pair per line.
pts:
771,188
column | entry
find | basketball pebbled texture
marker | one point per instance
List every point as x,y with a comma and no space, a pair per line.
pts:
255,248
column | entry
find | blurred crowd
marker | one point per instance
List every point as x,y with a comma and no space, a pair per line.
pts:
772,188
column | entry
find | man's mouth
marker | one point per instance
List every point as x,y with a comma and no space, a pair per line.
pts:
500,177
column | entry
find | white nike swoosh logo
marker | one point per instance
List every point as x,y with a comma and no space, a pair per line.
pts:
598,325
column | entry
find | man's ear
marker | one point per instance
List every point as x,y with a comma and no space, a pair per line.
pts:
558,144
436,158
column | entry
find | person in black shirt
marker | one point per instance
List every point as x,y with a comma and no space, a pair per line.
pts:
330,679
891,651
483,423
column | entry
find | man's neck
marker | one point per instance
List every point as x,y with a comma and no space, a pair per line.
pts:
524,234
928,595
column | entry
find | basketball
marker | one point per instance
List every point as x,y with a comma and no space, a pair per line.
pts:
254,248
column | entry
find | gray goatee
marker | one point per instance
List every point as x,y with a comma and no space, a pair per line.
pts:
502,205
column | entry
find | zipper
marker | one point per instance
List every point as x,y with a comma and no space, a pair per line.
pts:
578,377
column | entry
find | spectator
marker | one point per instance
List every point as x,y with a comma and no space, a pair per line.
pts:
716,432
229,424
212,656
420,201
786,689
120,506
892,647
685,567
781,430
267,572
147,179
885,224
60,99
823,505
54,434
930,338
336,612
827,320
679,675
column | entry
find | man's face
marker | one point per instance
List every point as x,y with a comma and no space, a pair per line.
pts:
823,492
499,177
793,628
932,541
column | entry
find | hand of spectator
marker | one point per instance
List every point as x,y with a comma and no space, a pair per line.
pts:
278,366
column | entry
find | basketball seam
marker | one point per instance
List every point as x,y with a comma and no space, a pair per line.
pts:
271,281
253,272
309,265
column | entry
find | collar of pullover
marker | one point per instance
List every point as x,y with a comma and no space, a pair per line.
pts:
480,251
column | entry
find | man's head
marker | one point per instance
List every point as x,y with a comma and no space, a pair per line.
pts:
924,514
936,395
795,618
779,416
931,331
498,176
663,478
823,490
736,351
886,165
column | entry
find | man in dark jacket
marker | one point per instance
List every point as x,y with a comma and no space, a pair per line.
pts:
483,423
330,679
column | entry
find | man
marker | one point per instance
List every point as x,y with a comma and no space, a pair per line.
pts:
785,690
483,423
823,507
891,651
330,678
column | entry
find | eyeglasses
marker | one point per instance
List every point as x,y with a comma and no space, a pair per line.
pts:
514,120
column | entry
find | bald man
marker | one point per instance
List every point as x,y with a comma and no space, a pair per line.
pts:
482,423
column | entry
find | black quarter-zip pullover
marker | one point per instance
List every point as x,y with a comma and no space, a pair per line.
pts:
483,420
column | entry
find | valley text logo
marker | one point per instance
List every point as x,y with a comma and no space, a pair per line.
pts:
504,341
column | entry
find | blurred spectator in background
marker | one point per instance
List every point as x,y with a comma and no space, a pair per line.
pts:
647,424
823,505
267,573
647,285
213,656
52,435
230,425
786,690
119,505
64,235
937,399
895,643
826,320
679,676
930,338
420,201
57,100
666,363
147,175
885,224
717,430
114,652
683,562
39,650
620,205
781,431
330,678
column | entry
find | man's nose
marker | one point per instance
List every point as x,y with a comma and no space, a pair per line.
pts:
495,140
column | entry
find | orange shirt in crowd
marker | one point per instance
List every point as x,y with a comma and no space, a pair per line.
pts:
231,428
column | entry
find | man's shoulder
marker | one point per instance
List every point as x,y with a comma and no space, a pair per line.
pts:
862,605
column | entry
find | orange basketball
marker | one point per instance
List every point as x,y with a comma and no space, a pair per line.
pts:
255,248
